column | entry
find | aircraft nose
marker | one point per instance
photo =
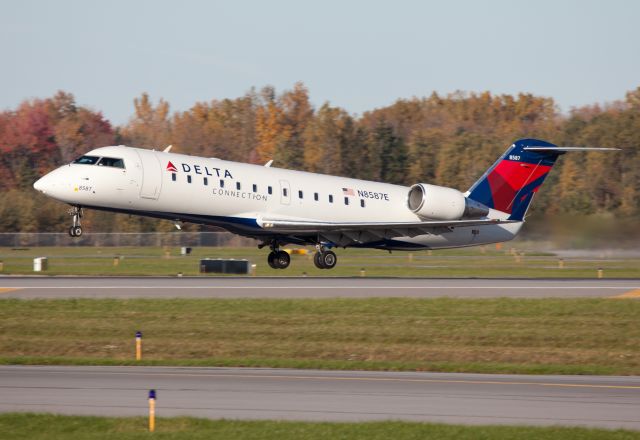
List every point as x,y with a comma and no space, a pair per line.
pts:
43,184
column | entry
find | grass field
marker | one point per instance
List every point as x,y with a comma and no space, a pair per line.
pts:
470,262
550,336
54,427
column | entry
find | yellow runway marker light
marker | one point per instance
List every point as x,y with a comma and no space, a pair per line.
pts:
8,289
152,410
138,345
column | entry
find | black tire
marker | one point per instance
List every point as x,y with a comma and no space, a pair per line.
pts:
282,259
77,231
317,260
329,259
271,259
71,231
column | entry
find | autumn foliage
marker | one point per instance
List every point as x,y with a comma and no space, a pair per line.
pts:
447,140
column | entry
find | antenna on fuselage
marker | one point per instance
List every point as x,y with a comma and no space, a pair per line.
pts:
268,164
166,150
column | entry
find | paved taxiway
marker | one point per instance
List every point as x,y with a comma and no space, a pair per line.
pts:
610,402
247,287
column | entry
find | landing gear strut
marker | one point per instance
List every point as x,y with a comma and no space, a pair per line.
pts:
324,259
75,230
277,258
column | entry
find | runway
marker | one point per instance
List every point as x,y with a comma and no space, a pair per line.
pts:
250,287
238,393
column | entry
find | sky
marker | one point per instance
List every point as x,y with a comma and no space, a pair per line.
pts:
358,55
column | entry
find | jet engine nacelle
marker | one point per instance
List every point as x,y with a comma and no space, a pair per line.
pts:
442,203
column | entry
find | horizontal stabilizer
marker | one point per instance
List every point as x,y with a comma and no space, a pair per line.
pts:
567,149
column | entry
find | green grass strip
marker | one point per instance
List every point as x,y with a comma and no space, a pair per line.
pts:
482,262
502,335
54,427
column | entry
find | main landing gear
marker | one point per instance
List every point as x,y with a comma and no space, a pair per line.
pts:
324,259
75,230
278,259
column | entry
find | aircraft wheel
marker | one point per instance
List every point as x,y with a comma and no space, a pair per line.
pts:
72,231
282,259
317,260
271,259
329,259
77,231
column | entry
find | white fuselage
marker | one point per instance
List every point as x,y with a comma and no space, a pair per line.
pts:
238,196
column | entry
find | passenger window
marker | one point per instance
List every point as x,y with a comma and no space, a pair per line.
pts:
111,162
173,176
270,190
362,202
346,200
86,160
206,181
221,183
284,192
255,188
238,186
330,198
188,179
299,194
315,196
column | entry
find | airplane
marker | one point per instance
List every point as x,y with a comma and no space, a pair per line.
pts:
279,206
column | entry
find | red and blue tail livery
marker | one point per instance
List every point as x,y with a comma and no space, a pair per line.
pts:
511,182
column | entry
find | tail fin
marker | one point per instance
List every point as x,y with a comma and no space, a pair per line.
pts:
511,182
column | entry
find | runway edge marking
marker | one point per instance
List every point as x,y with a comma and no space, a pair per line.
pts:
365,379
366,287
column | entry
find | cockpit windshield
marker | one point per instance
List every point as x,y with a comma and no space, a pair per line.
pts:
86,160
112,162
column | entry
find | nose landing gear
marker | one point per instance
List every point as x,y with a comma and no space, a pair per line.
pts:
75,230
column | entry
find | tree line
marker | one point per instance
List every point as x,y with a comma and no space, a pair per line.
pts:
447,140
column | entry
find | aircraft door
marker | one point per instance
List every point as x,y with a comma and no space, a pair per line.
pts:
151,174
285,192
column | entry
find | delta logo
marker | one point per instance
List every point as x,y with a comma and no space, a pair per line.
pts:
199,169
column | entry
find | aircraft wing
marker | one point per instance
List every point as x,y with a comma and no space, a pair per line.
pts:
567,149
368,231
